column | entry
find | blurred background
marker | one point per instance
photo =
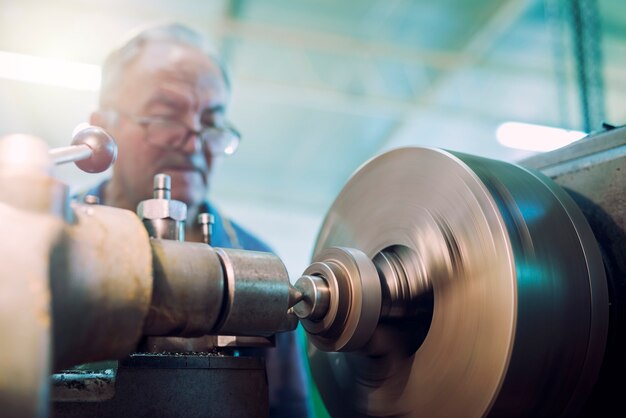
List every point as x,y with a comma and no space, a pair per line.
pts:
321,86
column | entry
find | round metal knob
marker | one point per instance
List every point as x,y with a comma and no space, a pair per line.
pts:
103,149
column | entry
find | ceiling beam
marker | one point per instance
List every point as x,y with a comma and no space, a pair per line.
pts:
301,39
476,48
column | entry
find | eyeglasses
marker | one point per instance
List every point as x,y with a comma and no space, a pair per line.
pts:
170,134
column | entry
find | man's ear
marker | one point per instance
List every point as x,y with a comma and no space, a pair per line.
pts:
97,118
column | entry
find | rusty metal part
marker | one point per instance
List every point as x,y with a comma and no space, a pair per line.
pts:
177,385
31,227
188,291
592,172
480,235
25,317
257,298
346,320
101,283
83,386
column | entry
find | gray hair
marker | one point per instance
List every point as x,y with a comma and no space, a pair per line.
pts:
121,56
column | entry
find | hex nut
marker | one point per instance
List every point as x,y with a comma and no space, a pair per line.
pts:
162,209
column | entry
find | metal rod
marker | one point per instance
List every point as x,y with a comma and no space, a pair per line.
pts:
206,221
162,187
70,154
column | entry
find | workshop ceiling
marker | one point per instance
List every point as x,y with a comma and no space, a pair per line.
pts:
320,86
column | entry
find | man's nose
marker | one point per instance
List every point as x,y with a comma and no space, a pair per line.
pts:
193,144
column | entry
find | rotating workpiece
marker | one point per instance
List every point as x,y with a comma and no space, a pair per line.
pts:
444,284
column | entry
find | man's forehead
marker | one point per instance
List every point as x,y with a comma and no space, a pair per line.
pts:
178,61
170,73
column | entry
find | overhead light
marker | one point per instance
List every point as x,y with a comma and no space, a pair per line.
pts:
531,137
53,72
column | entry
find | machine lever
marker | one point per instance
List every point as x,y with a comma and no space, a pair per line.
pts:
93,150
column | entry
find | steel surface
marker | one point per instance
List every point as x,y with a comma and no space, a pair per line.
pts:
512,266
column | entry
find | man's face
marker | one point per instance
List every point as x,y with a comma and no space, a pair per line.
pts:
175,82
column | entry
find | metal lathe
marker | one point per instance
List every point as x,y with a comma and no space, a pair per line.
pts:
441,285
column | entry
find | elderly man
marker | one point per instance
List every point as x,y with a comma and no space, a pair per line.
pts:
164,99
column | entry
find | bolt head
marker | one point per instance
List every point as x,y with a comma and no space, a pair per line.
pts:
162,209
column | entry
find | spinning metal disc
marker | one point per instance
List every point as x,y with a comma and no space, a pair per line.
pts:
518,313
